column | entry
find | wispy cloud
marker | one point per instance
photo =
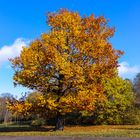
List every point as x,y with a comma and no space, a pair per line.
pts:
127,71
13,50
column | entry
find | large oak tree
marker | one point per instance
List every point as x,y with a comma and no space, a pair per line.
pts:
70,63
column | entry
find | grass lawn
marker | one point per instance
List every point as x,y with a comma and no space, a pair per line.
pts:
79,131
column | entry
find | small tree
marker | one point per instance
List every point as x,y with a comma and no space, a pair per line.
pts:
69,64
119,101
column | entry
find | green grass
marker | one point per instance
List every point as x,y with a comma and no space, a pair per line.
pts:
79,131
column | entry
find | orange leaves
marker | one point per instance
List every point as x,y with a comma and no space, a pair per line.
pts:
84,100
35,106
64,20
19,108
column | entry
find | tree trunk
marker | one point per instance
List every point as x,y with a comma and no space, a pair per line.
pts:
59,122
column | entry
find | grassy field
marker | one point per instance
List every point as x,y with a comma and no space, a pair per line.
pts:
131,131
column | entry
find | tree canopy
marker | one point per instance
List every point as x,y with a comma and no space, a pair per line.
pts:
70,63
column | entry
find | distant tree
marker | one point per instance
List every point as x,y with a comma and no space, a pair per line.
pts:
69,63
5,115
137,84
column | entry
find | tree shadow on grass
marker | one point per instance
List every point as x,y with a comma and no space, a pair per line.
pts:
25,129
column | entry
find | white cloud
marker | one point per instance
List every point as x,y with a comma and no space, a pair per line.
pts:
10,51
127,71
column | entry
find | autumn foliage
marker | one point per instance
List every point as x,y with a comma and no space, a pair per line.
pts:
69,64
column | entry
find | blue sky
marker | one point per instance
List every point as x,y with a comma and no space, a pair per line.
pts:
22,21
